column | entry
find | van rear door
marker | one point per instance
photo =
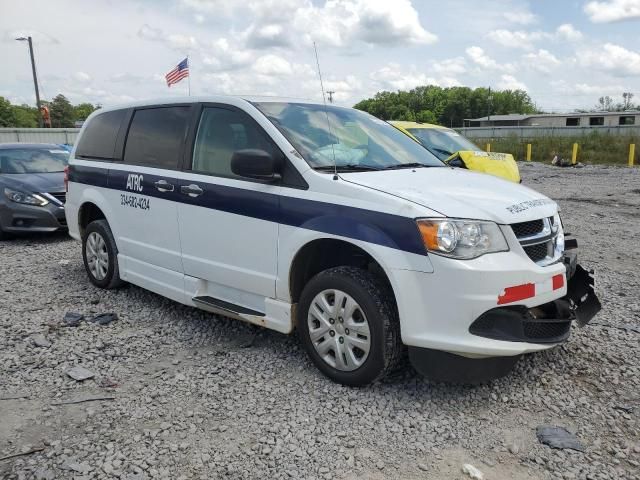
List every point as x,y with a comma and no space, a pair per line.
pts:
147,226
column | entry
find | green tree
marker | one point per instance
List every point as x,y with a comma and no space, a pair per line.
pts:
61,111
445,106
82,111
7,114
25,116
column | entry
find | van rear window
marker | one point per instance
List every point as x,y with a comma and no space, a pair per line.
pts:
156,136
99,137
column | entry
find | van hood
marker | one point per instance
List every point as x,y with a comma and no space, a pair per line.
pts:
460,193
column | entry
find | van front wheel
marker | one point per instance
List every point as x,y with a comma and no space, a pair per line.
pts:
348,324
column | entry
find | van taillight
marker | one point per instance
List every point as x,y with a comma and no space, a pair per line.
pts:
66,179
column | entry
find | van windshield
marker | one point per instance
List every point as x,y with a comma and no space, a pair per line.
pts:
442,142
355,139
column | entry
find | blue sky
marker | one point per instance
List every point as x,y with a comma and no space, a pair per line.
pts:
565,53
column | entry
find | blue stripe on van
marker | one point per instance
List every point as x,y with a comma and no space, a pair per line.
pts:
380,228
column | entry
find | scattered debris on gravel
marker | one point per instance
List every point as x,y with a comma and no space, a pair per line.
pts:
195,396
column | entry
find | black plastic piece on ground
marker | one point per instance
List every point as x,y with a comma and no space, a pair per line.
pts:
558,437
447,367
104,318
72,319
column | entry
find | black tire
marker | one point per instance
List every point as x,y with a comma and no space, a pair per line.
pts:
378,305
112,277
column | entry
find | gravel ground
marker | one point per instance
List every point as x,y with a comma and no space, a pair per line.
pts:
198,396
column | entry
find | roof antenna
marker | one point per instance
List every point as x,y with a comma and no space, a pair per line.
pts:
326,111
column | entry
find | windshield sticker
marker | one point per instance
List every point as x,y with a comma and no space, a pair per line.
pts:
58,151
521,207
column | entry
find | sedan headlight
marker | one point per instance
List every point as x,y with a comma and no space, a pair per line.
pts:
462,239
25,198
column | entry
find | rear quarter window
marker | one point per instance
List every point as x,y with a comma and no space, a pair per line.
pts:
99,137
156,137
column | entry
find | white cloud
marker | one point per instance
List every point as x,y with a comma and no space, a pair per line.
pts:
543,60
451,66
82,77
522,17
598,90
336,23
509,82
396,77
272,65
175,41
478,56
220,55
516,39
612,58
567,31
612,10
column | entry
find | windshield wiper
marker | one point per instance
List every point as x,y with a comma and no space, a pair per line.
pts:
443,151
405,165
347,168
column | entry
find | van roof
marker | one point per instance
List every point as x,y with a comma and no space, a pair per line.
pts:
229,99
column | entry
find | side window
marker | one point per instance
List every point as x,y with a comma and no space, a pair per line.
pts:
220,133
156,136
99,137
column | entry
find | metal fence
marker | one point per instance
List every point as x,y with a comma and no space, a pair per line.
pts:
39,135
533,132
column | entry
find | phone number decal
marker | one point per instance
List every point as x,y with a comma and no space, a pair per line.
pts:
133,201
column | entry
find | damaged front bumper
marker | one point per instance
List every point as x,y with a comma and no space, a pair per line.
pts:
534,328
548,323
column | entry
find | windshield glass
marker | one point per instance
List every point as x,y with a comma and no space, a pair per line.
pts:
441,142
33,160
356,139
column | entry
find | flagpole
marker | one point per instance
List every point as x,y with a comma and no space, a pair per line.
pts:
188,77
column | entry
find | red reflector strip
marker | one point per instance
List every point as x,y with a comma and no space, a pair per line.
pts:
513,294
558,281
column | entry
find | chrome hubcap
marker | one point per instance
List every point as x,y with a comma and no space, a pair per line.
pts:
97,256
339,330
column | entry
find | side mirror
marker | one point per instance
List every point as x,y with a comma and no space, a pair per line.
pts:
257,164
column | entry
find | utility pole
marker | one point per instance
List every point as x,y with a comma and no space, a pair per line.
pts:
489,106
330,93
35,76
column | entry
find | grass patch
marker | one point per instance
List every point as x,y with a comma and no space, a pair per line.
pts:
594,148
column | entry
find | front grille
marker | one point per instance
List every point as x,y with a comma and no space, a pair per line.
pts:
527,229
545,330
60,196
537,252
537,238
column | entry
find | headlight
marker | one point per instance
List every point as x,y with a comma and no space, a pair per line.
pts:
25,198
462,239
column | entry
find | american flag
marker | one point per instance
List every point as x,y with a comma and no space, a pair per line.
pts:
181,71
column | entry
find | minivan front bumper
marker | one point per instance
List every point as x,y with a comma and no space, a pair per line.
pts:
494,306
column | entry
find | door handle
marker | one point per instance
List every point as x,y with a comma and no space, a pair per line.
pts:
164,186
191,190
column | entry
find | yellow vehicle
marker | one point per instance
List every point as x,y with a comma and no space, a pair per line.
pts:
458,151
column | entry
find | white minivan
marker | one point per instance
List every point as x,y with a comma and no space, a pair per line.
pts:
294,215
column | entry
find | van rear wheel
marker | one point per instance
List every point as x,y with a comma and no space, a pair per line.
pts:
348,324
100,255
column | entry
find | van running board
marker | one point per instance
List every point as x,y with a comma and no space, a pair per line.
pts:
221,307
